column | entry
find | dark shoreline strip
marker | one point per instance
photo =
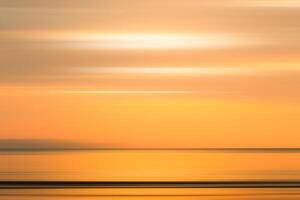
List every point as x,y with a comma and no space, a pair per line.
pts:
149,195
146,184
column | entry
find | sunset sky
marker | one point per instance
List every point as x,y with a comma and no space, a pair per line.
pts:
159,73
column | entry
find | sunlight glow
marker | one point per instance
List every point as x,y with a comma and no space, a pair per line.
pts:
152,41
132,92
194,71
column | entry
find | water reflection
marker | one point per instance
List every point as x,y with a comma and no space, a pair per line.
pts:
146,166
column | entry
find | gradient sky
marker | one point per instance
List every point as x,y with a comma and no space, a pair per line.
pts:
160,73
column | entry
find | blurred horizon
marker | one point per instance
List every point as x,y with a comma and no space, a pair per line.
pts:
150,99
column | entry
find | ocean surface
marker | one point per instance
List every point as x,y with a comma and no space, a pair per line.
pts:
258,174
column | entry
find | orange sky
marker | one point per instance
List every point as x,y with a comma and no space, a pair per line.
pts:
161,73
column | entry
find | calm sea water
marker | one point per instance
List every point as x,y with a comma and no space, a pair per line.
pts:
149,166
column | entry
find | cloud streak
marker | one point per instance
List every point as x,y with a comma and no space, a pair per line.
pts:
190,71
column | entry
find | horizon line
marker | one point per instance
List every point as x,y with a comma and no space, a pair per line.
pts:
229,149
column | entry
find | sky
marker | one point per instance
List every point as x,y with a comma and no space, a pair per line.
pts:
157,74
